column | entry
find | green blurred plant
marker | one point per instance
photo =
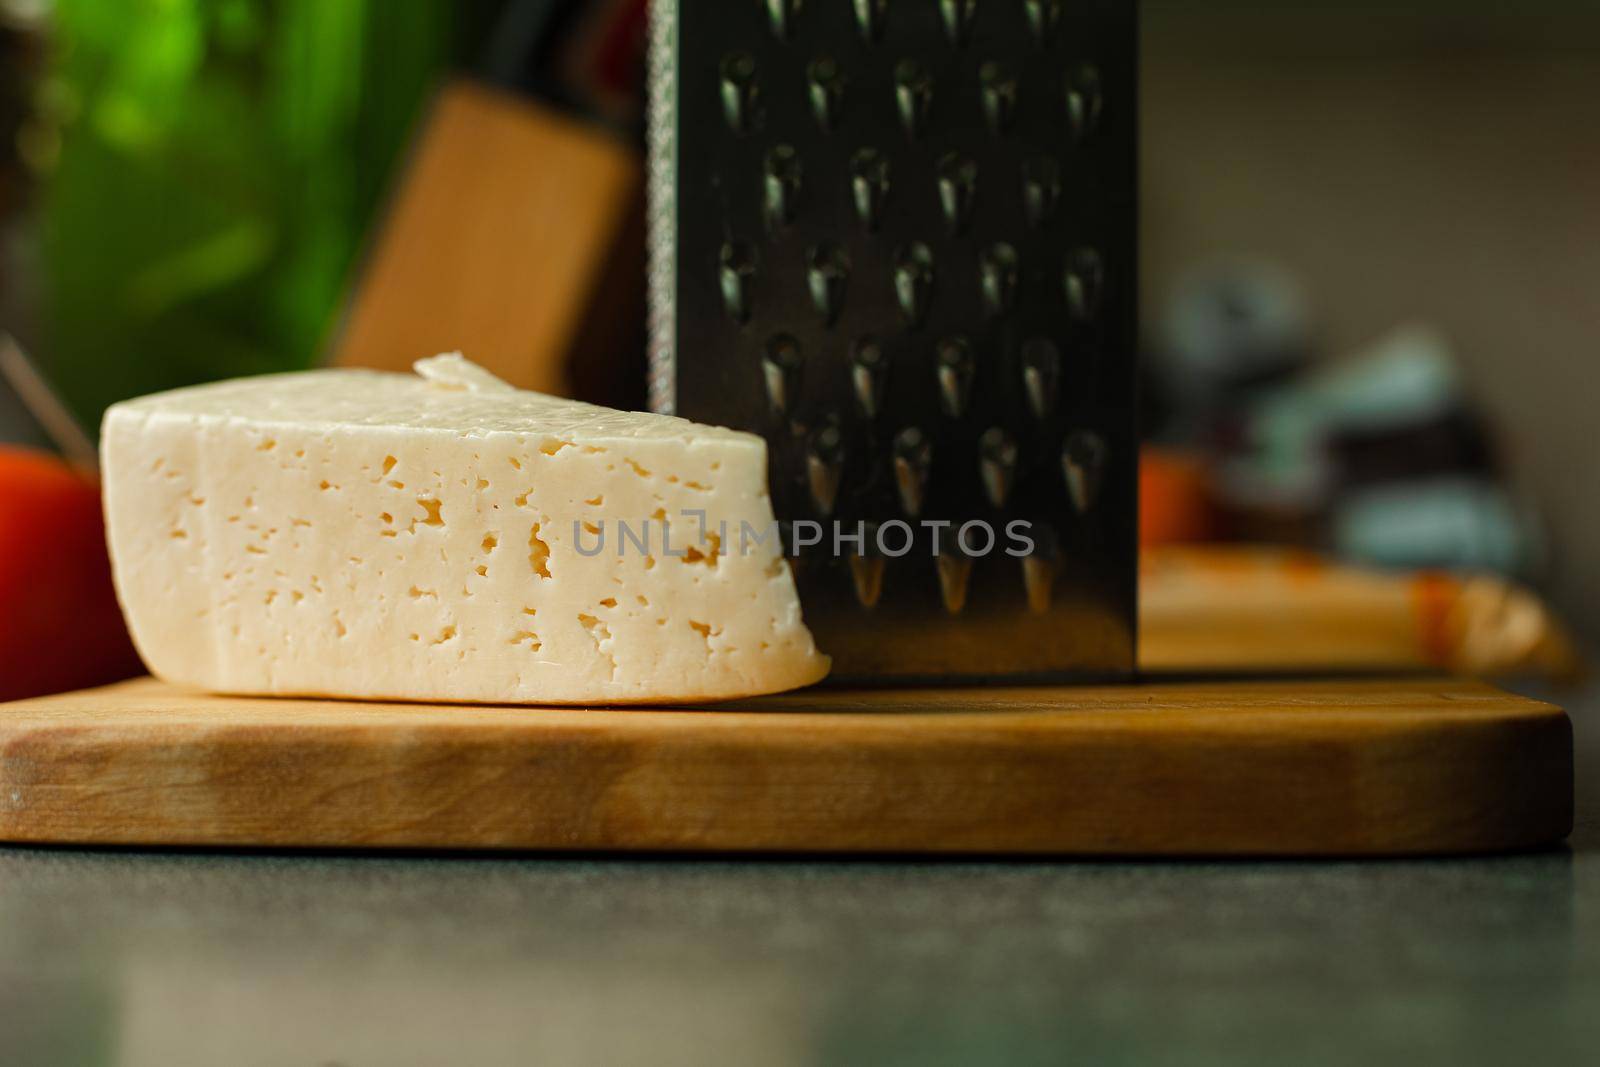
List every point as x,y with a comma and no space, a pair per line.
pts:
216,167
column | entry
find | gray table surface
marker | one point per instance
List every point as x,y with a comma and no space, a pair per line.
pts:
238,959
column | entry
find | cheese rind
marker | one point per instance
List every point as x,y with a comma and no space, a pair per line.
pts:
359,534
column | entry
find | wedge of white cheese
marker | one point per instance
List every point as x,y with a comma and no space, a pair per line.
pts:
445,537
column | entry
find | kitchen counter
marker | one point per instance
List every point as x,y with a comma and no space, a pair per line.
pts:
139,957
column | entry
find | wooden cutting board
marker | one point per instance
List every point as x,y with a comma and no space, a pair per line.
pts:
1223,768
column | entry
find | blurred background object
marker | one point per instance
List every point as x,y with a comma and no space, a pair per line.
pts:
1252,609
60,627
1410,161
1370,238
37,410
517,230
22,56
207,171
1380,455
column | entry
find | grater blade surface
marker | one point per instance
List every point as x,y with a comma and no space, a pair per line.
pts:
898,239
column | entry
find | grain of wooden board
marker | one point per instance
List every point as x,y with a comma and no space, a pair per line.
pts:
1234,768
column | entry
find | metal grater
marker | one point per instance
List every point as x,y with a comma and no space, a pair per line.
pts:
897,238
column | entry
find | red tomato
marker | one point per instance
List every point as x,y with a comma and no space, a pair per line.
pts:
60,626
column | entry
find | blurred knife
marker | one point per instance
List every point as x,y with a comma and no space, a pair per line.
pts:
44,406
